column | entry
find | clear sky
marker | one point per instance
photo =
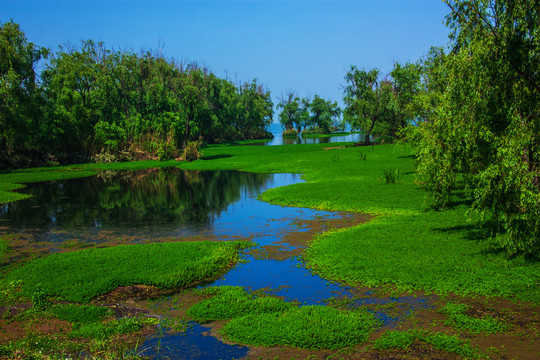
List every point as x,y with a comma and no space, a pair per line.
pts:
301,45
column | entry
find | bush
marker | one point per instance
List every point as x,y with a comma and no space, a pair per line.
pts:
166,151
391,176
192,152
290,133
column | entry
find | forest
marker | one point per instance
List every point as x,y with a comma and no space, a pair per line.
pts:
95,103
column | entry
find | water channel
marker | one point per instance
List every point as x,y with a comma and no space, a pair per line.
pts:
165,204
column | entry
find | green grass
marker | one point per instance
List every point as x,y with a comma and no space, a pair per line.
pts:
307,327
229,302
103,331
441,341
340,133
82,275
458,318
3,249
85,314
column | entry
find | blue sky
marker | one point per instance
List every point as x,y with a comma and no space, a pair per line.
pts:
303,45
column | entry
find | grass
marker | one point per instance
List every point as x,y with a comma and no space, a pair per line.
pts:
82,275
229,302
268,321
104,331
307,327
458,318
85,314
3,249
441,341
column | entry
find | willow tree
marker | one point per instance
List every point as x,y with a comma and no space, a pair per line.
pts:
487,125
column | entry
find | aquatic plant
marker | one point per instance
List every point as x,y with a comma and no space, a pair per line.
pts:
458,317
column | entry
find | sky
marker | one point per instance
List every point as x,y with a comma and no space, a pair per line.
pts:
305,46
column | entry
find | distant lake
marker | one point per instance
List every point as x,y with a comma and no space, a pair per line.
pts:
278,139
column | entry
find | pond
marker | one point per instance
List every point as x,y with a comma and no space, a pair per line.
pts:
167,204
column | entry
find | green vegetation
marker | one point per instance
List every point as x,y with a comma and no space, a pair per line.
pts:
93,102
448,343
82,275
458,318
3,249
308,327
85,314
319,116
481,117
229,302
104,331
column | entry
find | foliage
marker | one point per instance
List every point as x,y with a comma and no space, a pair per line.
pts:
229,302
20,100
290,133
290,116
324,114
391,176
404,339
458,318
82,275
487,123
370,103
94,100
192,151
308,327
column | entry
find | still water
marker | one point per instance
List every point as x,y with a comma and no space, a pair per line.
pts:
278,139
166,204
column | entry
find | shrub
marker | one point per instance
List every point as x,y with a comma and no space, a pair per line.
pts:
290,133
191,151
391,176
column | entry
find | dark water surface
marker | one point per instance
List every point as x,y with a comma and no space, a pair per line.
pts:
163,204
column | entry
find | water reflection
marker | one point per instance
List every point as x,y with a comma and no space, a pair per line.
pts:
157,202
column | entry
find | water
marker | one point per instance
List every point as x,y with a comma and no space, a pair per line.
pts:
278,139
164,204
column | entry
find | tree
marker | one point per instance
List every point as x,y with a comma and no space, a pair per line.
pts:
370,103
324,113
487,125
290,115
20,98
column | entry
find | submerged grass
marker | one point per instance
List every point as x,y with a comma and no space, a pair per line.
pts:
441,341
82,275
458,318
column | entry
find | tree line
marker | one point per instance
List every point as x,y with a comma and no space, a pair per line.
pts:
95,102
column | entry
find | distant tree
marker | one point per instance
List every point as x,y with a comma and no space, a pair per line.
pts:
290,116
324,114
370,103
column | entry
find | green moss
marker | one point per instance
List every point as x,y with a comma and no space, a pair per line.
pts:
457,317
82,275
308,327
229,302
3,249
441,341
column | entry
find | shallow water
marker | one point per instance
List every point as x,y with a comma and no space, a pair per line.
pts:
164,204
278,139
